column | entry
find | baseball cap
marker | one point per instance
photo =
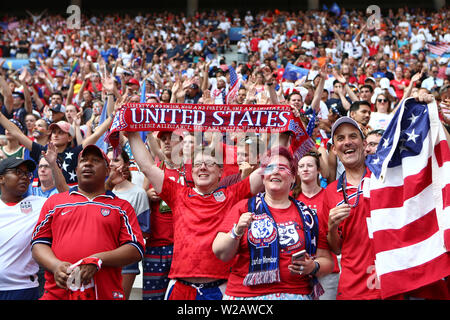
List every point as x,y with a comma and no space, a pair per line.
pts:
94,148
13,162
176,131
64,126
133,81
58,108
343,120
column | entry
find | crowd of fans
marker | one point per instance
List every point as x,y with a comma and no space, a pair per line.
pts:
366,71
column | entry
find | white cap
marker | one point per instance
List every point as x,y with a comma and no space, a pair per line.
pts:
343,120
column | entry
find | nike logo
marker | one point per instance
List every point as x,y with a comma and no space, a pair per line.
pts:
63,213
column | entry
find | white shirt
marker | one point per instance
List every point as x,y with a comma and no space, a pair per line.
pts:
417,42
18,270
380,120
428,83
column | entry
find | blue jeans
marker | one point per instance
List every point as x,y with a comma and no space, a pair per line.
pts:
21,294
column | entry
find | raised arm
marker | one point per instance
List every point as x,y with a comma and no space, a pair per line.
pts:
51,156
315,104
7,94
145,162
92,139
15,132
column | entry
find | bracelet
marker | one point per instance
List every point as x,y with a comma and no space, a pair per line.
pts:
316,268
233,234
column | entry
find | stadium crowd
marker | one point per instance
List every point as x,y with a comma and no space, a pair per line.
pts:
53,111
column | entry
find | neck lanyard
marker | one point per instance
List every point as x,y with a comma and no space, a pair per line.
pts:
344,189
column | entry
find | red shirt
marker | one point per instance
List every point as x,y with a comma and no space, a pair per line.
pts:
399,92
161,222
358,279
230,165
316,204
76,227
254,44
196,219
291,240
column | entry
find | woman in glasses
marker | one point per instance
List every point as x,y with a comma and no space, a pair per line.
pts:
265,236
20,212
380,118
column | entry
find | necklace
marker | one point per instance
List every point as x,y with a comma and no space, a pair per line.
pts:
344,189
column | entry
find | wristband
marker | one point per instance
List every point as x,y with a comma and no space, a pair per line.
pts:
316,268
234,235
91,260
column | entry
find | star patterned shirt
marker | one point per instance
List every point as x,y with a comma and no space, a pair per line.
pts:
68,160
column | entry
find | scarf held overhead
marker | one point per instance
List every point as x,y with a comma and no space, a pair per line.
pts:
205,117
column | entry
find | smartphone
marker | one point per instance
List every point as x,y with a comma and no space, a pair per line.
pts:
299,255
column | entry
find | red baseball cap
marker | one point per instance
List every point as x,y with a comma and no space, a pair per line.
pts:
133,81
94,148
64,126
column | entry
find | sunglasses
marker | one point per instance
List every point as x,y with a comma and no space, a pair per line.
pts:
275,168
382,100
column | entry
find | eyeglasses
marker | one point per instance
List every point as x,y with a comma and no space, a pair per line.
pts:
208,164
43,166
382,100
19,172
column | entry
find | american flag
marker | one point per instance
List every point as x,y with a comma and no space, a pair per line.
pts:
234,85
439,48
410,200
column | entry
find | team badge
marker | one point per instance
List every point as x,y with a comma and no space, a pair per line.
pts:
117,295
219,196
289,235
262,231
25,207
105,212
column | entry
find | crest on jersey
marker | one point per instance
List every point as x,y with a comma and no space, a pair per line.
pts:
105,212
219,196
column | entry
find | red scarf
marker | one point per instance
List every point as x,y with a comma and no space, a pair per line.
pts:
208,117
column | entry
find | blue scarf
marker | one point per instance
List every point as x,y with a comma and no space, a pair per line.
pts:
263,242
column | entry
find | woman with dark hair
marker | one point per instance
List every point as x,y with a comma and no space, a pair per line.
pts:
309,191
166,95
119,181
266,233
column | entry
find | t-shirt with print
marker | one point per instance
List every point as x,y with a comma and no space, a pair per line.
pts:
291,240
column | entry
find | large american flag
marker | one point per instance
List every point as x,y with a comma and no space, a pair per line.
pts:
410,200
234,85
438,48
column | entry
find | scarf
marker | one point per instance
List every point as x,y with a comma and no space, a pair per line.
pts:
204,117
263,243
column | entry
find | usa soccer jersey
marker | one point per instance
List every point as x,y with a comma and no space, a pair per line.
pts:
358,278
196,219
76,227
